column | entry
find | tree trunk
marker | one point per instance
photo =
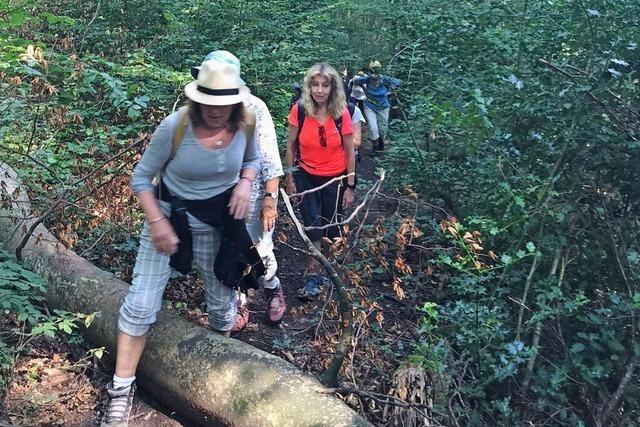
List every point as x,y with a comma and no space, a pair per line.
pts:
209,378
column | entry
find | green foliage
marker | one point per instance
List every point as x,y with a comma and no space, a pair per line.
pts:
20,289
524,112
24,318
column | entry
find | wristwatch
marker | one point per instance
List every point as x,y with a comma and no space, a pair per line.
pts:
351,186
273,195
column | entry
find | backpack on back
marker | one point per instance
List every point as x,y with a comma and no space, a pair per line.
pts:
301,116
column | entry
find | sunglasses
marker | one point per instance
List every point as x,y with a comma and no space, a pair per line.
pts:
323,136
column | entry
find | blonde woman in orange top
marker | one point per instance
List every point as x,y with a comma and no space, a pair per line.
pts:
320,139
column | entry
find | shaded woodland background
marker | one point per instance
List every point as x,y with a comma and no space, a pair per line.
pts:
514,152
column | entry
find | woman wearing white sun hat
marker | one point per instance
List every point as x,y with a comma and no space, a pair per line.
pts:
263,213
206,179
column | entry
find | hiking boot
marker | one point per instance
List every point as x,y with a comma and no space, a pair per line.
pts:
380,145
118,406
312,287
374,146
276,305
242,318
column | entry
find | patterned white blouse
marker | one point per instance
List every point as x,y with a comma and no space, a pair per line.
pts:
267,145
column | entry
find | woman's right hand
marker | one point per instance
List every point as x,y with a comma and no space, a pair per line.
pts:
164,237
291,186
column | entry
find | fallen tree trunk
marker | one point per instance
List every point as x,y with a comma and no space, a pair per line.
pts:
206,377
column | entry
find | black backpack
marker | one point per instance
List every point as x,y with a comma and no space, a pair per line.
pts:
301,116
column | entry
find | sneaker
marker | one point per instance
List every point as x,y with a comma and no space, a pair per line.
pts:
118,406
276,305
242,318
312,287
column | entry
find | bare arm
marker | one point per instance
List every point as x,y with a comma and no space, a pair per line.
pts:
357,135
162,234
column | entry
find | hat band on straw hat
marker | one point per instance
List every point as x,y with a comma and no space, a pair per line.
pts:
218,92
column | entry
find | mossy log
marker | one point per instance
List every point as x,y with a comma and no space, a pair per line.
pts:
206,377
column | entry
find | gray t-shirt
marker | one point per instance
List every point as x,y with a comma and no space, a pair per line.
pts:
195,172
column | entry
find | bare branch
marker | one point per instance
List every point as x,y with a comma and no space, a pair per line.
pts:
368,197
326,184
330,377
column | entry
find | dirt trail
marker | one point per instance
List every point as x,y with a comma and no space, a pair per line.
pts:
50,389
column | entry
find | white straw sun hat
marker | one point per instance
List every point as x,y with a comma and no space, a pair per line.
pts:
217,84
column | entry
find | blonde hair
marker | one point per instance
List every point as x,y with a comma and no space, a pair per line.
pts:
336,101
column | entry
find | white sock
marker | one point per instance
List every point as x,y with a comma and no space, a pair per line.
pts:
122,382
272,284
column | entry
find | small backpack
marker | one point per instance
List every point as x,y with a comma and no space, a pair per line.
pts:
301,116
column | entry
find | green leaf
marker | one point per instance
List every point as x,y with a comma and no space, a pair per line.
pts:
519,201
531,247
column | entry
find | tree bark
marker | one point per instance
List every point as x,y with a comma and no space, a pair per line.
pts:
204,376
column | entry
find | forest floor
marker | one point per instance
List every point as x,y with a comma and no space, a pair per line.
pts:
57,384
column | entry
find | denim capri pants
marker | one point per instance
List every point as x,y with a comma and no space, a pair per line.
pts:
151,274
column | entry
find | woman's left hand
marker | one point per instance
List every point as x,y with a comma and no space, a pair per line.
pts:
269,213
240,199
348,197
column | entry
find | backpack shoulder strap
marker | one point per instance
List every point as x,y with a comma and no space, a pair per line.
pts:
350,108
178,134
301,115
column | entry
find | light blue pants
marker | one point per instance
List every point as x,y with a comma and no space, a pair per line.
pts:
151,274
377,122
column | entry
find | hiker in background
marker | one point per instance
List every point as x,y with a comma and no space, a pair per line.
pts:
207,159
297,93
357,92
376,106
356,96
264,199
321,138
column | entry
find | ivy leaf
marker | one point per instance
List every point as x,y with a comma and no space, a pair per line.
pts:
515,347
519,201
515,81
31,71
620,62
615,73
134,112
577,348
